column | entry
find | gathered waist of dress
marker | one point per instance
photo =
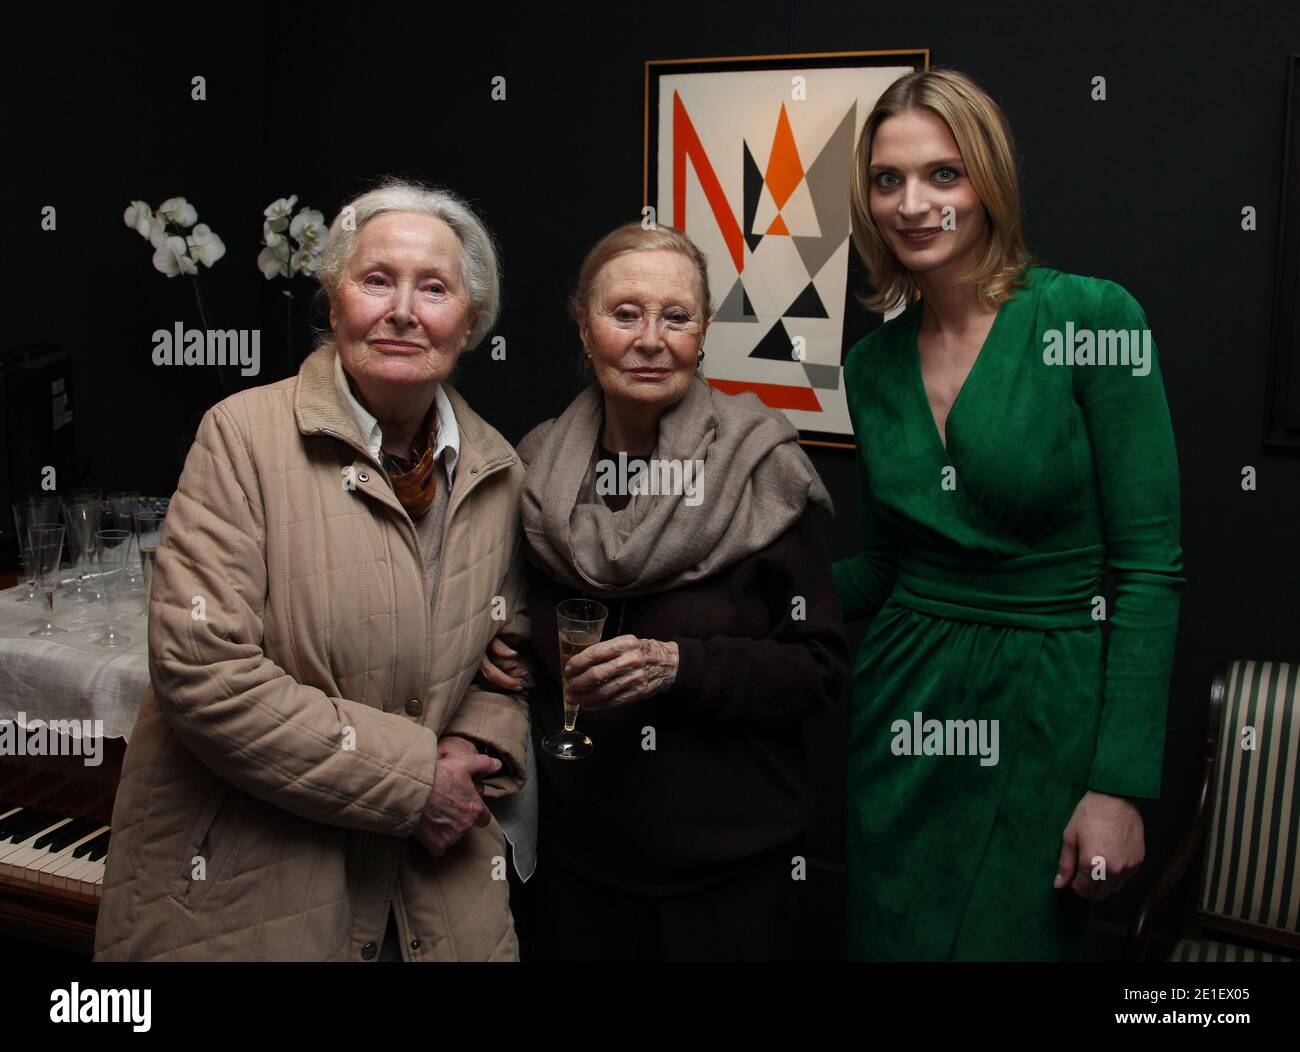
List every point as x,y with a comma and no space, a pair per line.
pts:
1044,591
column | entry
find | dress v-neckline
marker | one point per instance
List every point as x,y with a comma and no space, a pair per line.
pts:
919,373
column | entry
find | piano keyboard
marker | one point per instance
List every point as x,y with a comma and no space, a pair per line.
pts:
50,850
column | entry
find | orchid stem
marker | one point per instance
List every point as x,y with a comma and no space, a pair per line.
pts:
203,319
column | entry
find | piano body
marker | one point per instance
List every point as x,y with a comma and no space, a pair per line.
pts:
54,830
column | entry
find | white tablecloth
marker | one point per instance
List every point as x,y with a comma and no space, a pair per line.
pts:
68,677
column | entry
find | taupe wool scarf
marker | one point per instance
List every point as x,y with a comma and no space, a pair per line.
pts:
756,482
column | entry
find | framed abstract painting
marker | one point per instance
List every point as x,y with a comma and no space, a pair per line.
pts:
750,157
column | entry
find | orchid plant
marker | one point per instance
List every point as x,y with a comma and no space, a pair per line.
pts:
288,256
175,251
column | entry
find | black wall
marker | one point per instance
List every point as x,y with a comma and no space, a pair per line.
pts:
1145,188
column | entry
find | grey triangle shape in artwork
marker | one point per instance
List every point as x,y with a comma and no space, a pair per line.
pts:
736,307
822,377
830,198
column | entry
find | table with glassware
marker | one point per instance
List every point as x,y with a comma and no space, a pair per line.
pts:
73,633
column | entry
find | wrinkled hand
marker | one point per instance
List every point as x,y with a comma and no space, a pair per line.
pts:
456,801
1105,826
500,668
620,670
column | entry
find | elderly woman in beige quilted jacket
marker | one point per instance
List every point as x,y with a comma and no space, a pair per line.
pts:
307,778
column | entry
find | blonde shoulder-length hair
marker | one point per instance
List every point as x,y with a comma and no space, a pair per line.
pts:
984,139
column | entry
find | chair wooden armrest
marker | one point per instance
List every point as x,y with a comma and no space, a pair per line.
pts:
1189,845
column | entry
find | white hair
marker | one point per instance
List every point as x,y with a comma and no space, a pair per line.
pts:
480,266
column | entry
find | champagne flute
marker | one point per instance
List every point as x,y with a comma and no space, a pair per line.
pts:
46,545
114,557
34,511
580,623
149,530
123,505
82,517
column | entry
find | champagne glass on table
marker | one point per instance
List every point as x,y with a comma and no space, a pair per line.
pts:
82,520
22,520
148,530
34,511
122,507
46,545
580,623
114,558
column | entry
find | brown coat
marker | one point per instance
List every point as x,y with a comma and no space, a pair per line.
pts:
299,685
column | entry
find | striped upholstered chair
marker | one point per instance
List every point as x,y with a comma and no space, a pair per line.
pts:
1245,834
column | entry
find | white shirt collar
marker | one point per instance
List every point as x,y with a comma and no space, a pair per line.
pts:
446,441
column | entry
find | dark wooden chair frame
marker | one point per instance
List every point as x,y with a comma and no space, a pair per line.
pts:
1189,854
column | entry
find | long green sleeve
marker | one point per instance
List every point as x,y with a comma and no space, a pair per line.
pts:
1137,476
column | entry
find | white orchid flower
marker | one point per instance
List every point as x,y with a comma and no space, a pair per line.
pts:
139,217
273,261
305,261
178,211
205,246
158,232
271,231
172,258
308,227
281,209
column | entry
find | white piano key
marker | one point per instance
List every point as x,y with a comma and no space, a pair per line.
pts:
19,860
44,873
80,878
59,878
92,879
11,850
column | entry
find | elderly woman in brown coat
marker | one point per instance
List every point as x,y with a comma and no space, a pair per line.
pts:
307,777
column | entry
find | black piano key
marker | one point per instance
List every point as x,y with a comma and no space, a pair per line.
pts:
85,849
45,838
95,849
36,822
56,840
66,839
102,849
36,829
14,820
50,832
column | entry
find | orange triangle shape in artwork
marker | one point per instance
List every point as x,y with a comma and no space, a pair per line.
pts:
778,226
784,169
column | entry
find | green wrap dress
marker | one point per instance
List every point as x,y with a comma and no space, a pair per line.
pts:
982,571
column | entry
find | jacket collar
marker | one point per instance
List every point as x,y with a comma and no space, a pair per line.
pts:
319,408
446,437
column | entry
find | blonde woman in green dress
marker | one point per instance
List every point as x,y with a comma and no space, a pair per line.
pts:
1014,444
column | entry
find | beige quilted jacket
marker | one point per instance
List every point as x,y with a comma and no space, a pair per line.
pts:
299,683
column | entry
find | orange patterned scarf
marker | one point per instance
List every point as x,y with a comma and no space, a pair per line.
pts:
414,479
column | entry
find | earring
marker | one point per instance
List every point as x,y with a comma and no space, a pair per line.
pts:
699,362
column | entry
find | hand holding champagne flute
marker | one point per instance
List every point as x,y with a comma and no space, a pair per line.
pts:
580,623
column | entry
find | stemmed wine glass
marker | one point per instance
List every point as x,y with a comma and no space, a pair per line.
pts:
114,548
34,511
580,623
82,518
45,542
122,507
